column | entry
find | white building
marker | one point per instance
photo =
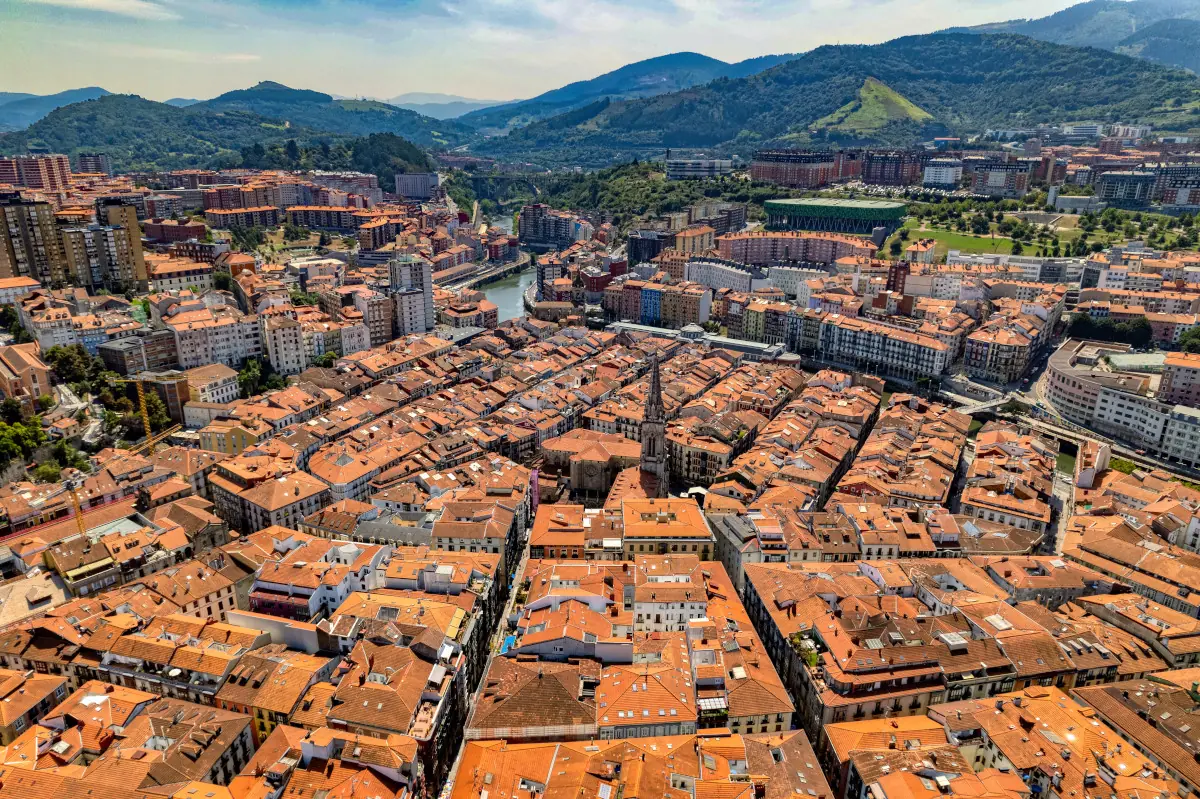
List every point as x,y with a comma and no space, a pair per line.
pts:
213,383
284,338
411,280
792,281
719,274
417,185
207,336
697,168
944,173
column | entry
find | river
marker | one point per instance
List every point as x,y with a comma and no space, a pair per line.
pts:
507,293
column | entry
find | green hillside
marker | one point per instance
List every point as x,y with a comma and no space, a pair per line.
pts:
1170,41
1133,27
875,108
141,134
966,83
321,111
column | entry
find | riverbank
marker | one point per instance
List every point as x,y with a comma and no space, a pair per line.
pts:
508,293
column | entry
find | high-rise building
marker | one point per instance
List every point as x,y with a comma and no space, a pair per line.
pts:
645,244
543,228
120,214
893,167
284,341
805,169
411,284
102,256
654,431
37,171
94,163
29,243
417,185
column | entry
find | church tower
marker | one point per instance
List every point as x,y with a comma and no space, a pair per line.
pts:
654,432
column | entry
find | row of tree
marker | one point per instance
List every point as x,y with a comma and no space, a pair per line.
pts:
1135,332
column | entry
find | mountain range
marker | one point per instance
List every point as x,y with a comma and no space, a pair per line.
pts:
649,78
1099,60
893,93
19,110
441,106
1157,30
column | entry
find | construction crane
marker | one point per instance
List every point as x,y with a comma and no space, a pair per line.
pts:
72,486
148,444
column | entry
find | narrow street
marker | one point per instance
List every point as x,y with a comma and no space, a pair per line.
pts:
494,645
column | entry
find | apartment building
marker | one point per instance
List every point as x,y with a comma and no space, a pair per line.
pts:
410,279
178,274
213,383
29,242
767,248
103,257
883,348
222,335
23,374
265,216
805,169
721,274
48,172
284,340
1180,382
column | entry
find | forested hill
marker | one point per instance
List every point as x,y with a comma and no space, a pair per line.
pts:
958,82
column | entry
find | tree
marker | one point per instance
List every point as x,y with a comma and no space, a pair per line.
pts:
1017,249
300,298
248,239
45,402
49,472
11,411
69,364
250,378
1190,341
294,232
222,281
157,411
325,361
10,322
1136,332
292,150
894,248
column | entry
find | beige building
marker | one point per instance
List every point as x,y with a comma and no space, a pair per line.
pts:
666,526
23,374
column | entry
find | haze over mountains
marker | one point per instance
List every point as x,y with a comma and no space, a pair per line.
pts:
19,110
441,106
1157,30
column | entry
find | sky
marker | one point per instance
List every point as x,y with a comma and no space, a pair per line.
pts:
489,49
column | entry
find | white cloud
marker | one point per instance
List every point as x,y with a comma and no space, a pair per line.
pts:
138,9
178,56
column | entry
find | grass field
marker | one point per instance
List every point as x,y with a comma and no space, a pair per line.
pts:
875,108
951,240
1066,463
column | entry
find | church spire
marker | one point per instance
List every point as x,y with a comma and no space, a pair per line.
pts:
654,431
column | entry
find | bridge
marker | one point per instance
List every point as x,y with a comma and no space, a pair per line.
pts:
983,407
491,187
490,276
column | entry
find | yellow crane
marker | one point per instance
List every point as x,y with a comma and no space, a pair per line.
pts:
151,440
72,486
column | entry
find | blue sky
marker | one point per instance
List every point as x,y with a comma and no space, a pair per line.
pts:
381,48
